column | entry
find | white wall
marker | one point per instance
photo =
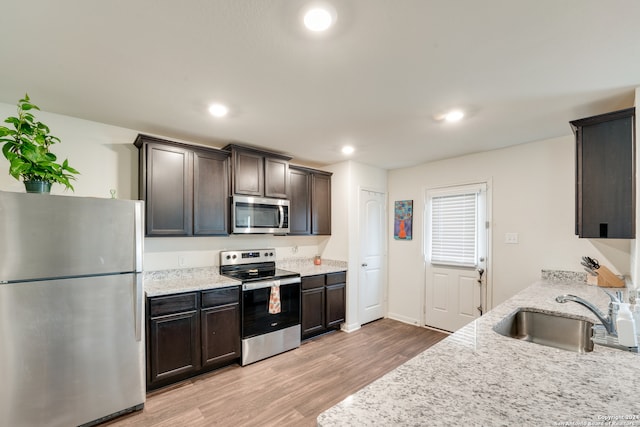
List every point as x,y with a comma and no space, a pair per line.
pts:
107,159
532,195
104,155
348,179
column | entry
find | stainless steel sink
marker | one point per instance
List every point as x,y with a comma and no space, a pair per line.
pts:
553,330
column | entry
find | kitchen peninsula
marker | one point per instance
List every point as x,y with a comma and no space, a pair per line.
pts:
478,377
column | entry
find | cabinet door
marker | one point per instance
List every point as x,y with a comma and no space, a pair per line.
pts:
312,311
321,204
220,334
174,350
168,190
336,304
605,181
210,193
276,178
300,202
248,174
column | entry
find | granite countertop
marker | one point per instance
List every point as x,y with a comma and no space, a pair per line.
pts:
305,266
166,282
477,377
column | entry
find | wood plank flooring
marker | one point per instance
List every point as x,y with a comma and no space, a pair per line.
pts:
290,389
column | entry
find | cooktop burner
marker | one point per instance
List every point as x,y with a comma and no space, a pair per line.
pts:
247,275
250,265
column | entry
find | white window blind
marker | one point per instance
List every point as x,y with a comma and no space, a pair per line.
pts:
454,225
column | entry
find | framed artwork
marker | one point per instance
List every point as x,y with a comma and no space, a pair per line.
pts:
403,220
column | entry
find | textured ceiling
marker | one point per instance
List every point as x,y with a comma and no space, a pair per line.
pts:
522,69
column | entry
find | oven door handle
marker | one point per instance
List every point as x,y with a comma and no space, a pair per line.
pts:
268,283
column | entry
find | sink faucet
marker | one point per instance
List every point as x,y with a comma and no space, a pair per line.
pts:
608,321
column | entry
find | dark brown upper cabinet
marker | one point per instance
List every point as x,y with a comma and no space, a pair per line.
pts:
258,173
185,188
321,203
605,175
310,201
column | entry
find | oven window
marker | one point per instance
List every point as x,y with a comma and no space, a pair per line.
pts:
256,319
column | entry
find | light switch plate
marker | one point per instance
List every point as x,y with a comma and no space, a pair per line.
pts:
511,238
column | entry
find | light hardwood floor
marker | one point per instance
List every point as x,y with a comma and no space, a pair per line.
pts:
290,389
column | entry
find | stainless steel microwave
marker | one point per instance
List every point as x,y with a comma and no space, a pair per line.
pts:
259,215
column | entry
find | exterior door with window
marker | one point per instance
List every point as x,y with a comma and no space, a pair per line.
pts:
456,244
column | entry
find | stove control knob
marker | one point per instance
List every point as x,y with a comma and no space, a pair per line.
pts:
235,256
228,256
266,254
270,253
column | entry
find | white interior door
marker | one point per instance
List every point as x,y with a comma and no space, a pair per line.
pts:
456,255
372,277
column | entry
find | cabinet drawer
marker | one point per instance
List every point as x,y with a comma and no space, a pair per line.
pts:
310,282
160,306
220,296
334,278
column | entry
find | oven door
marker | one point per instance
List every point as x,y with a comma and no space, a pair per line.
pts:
256,319
260,215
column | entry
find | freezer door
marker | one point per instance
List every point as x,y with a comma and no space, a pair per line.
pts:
69,352
45,236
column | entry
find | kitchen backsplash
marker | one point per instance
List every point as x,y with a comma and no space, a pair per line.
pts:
291,263
563,276
189,253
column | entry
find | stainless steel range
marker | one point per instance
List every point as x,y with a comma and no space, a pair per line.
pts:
270,302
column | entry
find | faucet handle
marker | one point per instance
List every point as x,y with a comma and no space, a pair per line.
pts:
614,298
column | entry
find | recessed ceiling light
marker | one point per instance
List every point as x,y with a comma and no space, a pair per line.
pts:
218,110
347,149
318,19
454,116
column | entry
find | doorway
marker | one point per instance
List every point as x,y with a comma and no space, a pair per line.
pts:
372,277
456,255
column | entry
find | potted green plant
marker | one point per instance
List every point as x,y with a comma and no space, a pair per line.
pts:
27,146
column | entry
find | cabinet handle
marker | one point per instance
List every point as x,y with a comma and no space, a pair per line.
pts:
364,264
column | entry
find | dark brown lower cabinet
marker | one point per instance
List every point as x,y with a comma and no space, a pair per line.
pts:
313,311
335,304
220,325
323,302
174,348
190,333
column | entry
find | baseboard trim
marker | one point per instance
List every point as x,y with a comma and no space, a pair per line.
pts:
404,319
350,328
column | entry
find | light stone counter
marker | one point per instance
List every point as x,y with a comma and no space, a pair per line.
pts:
168,282
477,377
305,266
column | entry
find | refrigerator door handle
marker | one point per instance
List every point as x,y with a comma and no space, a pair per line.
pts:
138,310
139,235
139,253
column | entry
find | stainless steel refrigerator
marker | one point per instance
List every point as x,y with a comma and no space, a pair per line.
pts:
71,309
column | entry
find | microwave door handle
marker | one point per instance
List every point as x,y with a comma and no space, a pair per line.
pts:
281,209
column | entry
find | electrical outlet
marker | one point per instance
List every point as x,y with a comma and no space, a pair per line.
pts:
511,238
